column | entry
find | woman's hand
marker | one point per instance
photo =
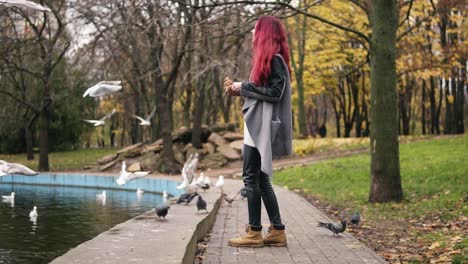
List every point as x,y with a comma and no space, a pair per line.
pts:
232,88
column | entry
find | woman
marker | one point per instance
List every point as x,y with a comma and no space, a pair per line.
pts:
267,128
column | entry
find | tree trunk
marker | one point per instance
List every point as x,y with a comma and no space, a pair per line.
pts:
385,164
44,135
423,108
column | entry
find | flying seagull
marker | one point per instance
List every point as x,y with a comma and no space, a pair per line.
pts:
103,88
25,4
336,228
14,168
147,121
126,176
101,121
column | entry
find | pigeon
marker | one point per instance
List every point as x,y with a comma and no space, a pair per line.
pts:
101,121
228,199
15,168
162,210
355,218
25,4
147,121
33,213
139,191
336,228
186,198
220,183
101,196
243,193
205,187
201,204
126,176
103,88
10,198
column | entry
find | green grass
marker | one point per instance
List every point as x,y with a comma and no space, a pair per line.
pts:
62,161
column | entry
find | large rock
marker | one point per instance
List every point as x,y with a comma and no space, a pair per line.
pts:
107,159
238,144
224,127
134,167
217,139
149,162
212,161
108,165
228,152
179,153
232,136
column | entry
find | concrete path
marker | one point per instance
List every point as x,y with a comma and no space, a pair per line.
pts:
307,243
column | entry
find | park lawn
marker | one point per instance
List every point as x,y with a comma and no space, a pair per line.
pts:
64,160
432,220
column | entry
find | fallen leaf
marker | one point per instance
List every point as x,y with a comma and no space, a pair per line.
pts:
435,245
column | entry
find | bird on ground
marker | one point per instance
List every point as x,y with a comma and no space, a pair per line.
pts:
162,210
201,204
140,191
220,183
9,198
126,176
101,121
103,88
25,4
206,180
101,196
186,198
243,193
229,199
147,121
336,228
15,168
33,213
355,218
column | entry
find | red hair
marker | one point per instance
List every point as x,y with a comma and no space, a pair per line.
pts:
269,39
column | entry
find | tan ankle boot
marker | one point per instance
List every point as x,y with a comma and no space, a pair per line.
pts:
251,239
276,238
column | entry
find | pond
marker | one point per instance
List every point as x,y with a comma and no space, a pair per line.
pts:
68,216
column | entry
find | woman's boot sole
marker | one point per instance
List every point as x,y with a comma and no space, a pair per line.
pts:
246,245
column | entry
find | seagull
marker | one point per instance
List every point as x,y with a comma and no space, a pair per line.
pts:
101,121
126,176
139,191
101,196
33,213
220,183
162,210
26,4
147,121
165,195
15,168
336,228
207,180
192,166
185,182
201,204
103,88
9,198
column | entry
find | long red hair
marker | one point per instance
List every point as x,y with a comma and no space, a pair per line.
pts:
269,39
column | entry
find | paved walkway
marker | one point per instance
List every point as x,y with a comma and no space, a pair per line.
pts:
307,243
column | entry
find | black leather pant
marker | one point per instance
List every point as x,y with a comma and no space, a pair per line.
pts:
258,186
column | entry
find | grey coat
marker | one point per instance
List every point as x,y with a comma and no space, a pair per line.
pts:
268,116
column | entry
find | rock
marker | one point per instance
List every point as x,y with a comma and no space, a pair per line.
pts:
209,148
224,127
191,151
184,134
229,152
149,162
107,159
108,165
130,151
217,139
134,167
238,144
151,148
187,147
212,161
232,136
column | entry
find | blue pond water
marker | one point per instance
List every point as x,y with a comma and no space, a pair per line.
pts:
67,217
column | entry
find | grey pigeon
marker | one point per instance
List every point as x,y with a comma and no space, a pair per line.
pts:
186,198
336,228
228,199
201,204
205,186
243,193
161,211
355,218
